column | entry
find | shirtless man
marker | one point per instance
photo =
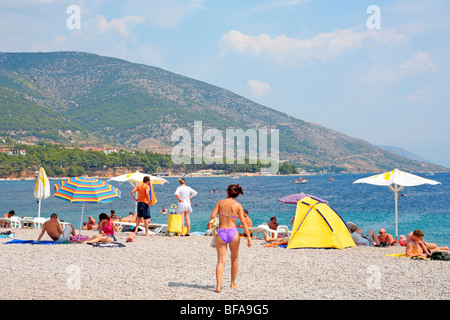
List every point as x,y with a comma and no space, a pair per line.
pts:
415,247
430,246
54,230
383,236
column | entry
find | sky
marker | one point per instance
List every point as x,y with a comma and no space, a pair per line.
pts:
375,70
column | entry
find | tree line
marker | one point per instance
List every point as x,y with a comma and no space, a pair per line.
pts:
60,161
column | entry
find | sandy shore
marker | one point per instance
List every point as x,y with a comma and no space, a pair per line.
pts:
176,268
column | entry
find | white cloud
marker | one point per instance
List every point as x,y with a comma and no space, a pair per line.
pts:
324,47
167,14
100,26
280,4
423,96
259,88
419,63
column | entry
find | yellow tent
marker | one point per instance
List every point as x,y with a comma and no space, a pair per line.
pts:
317,225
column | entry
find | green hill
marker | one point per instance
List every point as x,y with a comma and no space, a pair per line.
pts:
80,97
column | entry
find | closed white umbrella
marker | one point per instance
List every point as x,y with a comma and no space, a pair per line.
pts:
396,180
42,188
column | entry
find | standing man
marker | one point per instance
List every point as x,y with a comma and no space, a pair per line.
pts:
143,207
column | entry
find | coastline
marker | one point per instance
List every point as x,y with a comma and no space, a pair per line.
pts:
183,268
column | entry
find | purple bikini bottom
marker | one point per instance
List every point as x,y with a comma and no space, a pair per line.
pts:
227,235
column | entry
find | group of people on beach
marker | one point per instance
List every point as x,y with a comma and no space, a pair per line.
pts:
223,222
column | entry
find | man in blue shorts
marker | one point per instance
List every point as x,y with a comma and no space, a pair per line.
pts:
143,207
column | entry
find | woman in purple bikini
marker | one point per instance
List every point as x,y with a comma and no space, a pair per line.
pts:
228,210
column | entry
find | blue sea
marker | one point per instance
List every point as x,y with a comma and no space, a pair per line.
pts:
370,207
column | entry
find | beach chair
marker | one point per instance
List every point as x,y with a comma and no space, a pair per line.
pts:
13,222
157,228
39,222
129,225
27,222
283,230
263,228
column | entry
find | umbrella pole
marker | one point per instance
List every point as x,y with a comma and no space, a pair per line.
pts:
39,210
396,215
81,222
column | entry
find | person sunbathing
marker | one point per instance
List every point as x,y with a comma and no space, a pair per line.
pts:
131,218
429,245
383,236
106,229
414,245
276,241
54,231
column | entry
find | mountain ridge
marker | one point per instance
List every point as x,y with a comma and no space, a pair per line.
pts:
104,100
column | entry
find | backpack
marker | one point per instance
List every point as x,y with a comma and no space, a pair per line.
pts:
440,255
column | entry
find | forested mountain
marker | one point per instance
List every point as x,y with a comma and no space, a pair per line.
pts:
79,98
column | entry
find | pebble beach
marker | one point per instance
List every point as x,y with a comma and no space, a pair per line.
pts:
160,267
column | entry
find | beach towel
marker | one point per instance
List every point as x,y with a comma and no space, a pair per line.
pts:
273,245
107,245
396,255
403,255
18,241
10,235
153,199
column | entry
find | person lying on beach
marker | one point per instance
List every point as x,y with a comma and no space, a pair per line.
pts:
415,246
54,231
430,246
361,240
106,230
276,241
131,218
383,236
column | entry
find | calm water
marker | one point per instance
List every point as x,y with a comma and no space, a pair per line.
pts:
370,207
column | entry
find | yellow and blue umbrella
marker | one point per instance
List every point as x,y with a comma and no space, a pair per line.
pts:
86,190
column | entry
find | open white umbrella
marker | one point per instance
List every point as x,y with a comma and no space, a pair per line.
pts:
396,180
136,179
42,188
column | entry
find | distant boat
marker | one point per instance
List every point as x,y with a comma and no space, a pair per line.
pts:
331,179
300,180
234,176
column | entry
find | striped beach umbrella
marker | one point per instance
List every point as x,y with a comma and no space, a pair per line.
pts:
85,190
295,198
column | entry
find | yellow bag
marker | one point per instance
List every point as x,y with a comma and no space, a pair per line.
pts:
174,223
